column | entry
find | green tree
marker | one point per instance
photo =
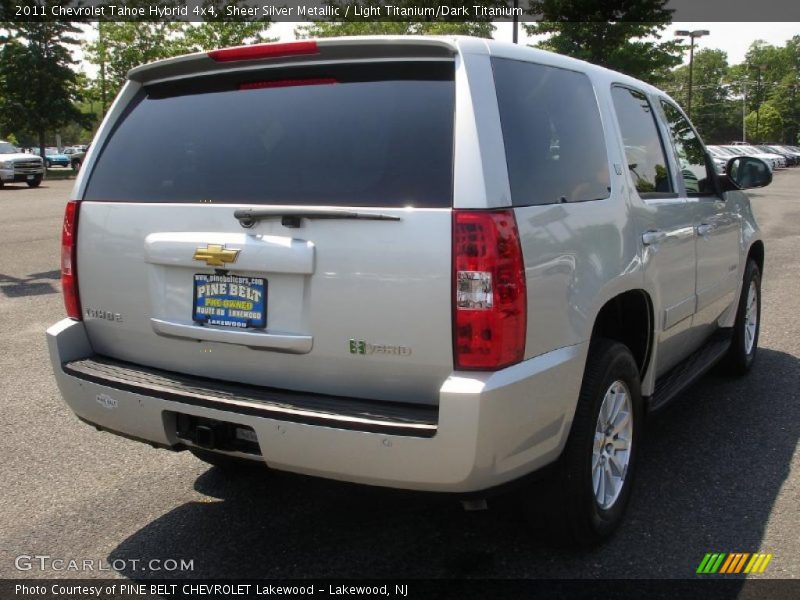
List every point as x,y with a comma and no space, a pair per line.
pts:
772,74
623,35
715,113
359,26
764,125
221,31
38,87
123,45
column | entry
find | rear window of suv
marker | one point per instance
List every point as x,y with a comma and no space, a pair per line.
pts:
553,135
346,135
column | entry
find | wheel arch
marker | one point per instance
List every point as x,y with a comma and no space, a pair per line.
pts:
756,252
628,318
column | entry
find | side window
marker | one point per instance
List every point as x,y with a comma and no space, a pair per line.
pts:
643,149
553,136
691,156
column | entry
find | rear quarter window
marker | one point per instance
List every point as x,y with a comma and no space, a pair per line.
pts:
553,135
373,135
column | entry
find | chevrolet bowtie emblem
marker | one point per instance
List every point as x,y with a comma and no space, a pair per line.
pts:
215,255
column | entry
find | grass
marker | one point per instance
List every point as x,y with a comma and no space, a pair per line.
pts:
60,173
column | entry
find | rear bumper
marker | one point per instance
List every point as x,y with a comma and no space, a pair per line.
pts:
491,428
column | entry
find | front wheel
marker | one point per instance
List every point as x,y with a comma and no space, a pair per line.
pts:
34,182
747,326
592,485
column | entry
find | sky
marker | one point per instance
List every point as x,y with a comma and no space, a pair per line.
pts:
733,38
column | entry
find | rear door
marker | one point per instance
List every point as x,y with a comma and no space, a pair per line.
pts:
338,282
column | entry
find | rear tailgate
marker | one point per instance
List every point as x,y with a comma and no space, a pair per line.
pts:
355,304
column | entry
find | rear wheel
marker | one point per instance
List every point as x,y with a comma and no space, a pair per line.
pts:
744,345
592,484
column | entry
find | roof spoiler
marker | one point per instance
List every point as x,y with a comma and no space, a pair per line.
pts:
289,53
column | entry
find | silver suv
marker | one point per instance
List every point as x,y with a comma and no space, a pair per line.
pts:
426,263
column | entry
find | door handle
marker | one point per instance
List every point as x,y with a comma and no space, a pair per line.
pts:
705,228
653,237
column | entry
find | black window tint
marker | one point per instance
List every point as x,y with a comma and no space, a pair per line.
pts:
643,150
348,135
555,148
691,156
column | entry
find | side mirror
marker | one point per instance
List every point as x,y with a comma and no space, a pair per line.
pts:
745,172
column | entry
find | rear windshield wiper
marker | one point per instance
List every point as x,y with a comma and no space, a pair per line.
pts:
291,217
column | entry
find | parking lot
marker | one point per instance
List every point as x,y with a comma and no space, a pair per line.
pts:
720,470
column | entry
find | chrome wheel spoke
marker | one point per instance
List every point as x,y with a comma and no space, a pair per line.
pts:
619,424
614,464
610,488
601,488
750,318
596,479
599,438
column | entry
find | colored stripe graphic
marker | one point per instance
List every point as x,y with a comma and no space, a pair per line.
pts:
729,564
704,563
765,563
741,562
711,563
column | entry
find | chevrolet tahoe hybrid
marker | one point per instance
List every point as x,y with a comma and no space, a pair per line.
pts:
427,263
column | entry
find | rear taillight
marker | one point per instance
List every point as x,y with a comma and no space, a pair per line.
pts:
259,51
69,255
489,295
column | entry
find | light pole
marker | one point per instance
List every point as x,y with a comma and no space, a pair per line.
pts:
692,35
758,100
515,34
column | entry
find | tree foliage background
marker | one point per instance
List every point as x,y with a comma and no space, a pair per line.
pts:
38,86
623,35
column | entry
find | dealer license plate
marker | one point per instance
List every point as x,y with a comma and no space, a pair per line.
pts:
230,301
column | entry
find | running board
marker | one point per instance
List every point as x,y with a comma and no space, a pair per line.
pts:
684,374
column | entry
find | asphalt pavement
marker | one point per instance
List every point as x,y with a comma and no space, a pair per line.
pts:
720,471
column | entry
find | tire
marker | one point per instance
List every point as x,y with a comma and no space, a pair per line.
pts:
584,507
225,462
34,183
49,164
744,346
76,166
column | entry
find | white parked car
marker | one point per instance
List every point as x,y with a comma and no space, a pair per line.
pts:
776,161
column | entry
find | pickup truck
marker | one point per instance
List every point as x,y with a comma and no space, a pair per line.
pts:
433,263
17,167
